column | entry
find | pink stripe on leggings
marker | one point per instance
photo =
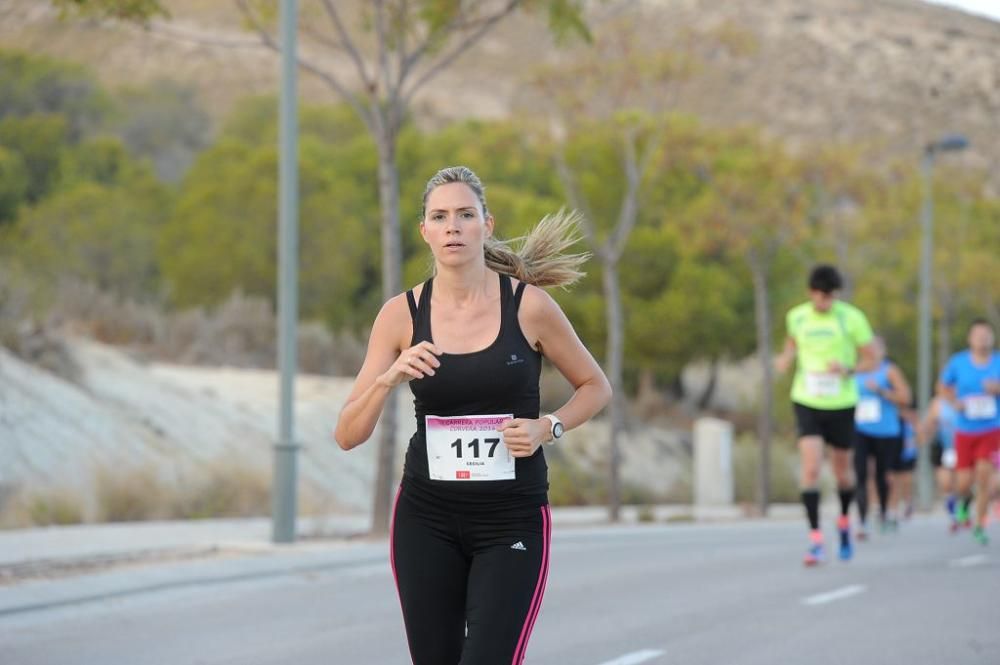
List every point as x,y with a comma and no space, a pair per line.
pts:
392,560
536,600
545,581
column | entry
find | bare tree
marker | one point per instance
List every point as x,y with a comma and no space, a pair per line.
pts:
624,85
609,251
757,209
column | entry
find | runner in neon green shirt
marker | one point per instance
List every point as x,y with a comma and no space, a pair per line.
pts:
828,339
826,343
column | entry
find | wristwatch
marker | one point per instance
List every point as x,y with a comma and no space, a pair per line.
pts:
557,428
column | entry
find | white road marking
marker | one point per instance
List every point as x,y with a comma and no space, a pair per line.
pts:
967,561
836,594
635,657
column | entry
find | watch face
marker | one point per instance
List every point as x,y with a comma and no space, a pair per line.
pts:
557,430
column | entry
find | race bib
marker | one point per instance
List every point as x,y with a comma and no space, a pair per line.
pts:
467,448
868,410
823,384
980,407
949,458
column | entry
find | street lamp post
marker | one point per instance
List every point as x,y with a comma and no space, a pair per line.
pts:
948,143
283,490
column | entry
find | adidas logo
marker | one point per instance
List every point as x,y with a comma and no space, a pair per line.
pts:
519,546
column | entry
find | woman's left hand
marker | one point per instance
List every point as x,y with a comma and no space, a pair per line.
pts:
523,436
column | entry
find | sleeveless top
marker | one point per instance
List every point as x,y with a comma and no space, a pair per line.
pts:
870,404
502,378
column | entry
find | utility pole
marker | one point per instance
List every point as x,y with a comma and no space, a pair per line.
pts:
283,491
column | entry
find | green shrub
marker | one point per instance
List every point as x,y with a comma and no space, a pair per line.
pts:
54,508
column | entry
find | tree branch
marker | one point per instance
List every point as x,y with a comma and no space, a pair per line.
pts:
348,44
306,65
462,46
321,38
629,211
401,27
577,200
167,30
382,48
410,59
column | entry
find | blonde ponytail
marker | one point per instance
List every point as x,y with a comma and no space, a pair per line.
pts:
540,257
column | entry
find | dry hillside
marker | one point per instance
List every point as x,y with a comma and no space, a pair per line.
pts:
889,73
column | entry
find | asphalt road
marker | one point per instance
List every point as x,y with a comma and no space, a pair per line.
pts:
733,594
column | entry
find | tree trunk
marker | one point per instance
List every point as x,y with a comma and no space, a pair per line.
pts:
392,260
944,327
843,257
762,319
709,391
614,355
647,400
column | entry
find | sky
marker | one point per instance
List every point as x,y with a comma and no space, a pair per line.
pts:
990,8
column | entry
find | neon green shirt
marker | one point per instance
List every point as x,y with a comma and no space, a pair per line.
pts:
821,338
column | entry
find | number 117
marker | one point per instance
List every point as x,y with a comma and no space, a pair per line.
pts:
474,445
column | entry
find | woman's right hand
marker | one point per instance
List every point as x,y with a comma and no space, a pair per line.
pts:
416,362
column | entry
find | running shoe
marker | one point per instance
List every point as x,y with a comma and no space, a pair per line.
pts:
862,532
949,504
846,548
979,533
962,515
889,524
815,555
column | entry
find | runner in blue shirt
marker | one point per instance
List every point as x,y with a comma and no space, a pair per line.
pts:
878,439
971,381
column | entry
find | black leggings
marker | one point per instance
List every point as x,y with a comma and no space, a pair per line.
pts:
883,450
470,585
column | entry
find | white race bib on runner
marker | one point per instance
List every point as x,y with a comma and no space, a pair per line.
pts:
823,384
949,458
467,448
868,410
980,407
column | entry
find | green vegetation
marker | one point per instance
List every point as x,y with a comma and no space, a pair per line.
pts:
129,192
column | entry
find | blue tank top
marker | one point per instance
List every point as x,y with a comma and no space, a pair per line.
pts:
874,415
947,423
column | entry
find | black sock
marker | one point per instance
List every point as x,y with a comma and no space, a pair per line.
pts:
810,499
846,496
966,502
862,497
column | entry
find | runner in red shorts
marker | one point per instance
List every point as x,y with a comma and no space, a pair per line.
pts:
971,381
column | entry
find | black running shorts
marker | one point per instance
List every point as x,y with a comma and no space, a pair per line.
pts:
835,426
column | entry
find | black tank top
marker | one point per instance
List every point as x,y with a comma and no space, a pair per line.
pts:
502,378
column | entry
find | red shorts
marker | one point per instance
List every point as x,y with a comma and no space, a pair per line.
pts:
972,447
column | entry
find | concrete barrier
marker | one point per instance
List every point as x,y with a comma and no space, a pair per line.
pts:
713,462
